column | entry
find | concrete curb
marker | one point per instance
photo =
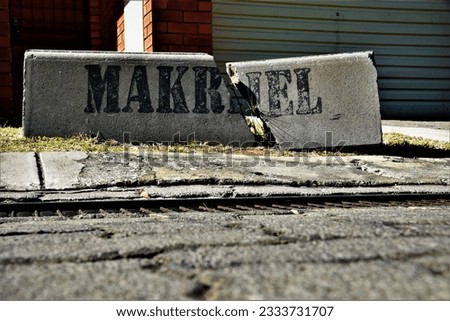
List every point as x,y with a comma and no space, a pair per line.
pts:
160,97
318,101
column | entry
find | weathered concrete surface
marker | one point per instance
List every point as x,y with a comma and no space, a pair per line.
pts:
18,172
159,97
329,100
166,169
82,171
399,253
60,170
198,190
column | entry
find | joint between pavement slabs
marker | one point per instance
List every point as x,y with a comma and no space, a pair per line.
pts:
53,172
40,171
61,170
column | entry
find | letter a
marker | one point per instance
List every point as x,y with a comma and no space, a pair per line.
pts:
140,83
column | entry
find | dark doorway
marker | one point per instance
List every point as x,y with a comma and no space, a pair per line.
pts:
45,24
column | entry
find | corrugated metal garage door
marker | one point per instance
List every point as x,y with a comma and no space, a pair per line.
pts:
411,41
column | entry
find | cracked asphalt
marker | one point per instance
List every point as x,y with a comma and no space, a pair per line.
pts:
384,253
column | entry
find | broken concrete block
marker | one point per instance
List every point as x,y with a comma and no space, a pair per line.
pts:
319,101
158,97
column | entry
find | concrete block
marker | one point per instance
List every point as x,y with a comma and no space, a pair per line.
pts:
158,97
19,172
318,101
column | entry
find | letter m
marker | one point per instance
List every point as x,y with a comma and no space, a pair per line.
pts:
97,86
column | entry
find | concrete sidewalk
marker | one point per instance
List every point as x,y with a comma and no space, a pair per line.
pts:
80,175
429,130
373,253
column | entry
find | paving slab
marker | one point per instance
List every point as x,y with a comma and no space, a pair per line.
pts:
80,170
317,101
103,175
19,172
61,170
335,171
148,97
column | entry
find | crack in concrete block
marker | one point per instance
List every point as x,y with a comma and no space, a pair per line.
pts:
256,121
311,102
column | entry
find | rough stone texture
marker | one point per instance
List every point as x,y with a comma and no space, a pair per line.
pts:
133,97
18,172
395,253
79,170
61,170
166,169
318,101
186,191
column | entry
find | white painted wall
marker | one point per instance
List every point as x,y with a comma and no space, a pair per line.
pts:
134,25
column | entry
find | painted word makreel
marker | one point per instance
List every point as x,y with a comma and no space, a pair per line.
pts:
172,97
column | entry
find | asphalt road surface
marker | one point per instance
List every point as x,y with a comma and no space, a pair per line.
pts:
384,253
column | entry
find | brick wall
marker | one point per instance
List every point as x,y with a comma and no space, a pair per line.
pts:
121,33
148,26
111,12
182,25
5,61
105,19
169,25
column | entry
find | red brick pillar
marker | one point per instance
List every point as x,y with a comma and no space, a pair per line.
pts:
121,33
107,24
148,26
6,92
182,25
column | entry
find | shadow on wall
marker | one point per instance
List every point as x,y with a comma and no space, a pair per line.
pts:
82,25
